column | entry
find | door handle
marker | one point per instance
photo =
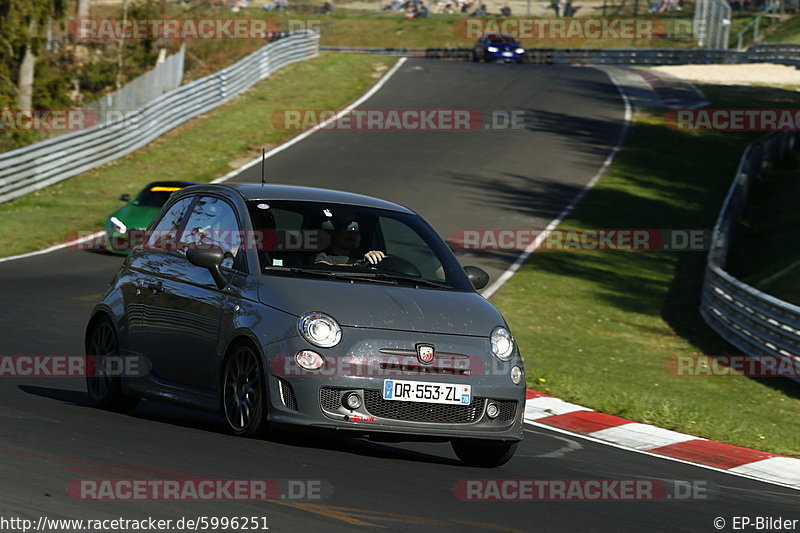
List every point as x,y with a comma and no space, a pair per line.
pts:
156,287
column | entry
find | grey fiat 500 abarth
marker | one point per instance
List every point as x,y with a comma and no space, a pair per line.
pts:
282,306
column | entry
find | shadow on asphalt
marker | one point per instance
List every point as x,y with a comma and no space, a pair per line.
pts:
199,420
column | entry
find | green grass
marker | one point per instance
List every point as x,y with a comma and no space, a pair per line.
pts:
388,29
765,249
787,32
202,149
596,328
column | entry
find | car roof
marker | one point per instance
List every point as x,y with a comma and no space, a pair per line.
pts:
493,36
256,191
171,183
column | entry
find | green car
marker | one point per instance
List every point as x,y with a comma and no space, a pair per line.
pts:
125,227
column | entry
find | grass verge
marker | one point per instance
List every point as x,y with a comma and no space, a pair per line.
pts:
201,150
388,29
597,327
787,31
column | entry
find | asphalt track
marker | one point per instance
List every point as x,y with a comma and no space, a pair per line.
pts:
483,179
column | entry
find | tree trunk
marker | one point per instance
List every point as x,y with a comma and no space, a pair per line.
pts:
25,83
83,9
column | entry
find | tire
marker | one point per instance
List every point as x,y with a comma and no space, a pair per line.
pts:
105,391
244,392
484,453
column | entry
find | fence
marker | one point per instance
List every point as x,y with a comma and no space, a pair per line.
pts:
163,78
712,24
754,322
36,166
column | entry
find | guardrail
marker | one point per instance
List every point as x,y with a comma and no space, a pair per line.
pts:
754,322
788,54
34,167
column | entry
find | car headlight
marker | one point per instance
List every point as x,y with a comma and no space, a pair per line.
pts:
502,343
520,50
118,224
492,49
319,329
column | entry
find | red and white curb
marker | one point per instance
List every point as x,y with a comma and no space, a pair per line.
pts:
542,409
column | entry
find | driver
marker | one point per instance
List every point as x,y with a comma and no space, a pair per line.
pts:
342,249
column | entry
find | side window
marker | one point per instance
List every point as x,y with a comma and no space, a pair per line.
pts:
404,242
212,222
164,233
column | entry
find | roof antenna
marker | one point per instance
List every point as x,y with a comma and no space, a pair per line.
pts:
263,158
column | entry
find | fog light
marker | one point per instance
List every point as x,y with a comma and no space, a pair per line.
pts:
352,401
309,359
492,410
517,375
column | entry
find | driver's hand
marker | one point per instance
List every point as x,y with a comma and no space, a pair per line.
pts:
374,257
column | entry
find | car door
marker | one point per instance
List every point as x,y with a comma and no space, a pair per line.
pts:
185,309
141,269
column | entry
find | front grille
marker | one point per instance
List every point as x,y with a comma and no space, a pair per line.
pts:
422,412
330,399
508,409
287,394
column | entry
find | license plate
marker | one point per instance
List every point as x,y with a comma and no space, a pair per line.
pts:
427,392
507,54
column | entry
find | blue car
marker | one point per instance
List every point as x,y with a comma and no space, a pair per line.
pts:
497,47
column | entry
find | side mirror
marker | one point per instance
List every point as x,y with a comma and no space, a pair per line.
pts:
477,276
125,198
210,259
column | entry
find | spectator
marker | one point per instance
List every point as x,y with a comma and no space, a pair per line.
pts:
422,10
480,12
279,5
505,10
326,9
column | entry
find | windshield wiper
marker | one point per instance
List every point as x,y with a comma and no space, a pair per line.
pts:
414,279
352,276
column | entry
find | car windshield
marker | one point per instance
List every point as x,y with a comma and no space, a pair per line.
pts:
500,39
314,239
155,195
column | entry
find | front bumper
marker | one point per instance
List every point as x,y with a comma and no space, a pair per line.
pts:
123,243
501,56
314,399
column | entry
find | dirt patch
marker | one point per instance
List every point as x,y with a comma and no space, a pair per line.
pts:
747,74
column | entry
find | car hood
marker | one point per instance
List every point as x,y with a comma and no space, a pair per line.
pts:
135,216
370,305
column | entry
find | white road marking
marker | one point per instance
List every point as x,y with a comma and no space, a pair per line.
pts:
532,247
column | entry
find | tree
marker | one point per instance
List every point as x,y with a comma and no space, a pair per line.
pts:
23,31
